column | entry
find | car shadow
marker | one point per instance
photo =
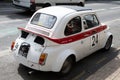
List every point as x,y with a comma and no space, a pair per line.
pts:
81,70
30,74
89,65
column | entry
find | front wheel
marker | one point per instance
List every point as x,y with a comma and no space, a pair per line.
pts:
108,44
46,5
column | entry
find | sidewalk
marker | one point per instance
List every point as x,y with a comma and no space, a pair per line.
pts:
110,71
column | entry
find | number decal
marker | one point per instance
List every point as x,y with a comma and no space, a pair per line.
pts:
94,39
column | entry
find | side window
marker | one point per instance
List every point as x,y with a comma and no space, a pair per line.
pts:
73,26
90,21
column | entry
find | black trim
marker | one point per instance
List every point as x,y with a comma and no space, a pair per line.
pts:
43,4
67,3
79,4
40,4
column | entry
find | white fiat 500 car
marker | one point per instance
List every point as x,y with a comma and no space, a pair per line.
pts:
58,36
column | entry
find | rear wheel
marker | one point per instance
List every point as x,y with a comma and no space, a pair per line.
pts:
46,5
33,8
81,4
67,66
108,44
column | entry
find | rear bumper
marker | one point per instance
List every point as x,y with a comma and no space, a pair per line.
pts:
27,63
30,64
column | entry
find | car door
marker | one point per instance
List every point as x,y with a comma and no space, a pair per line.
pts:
92,27
75,35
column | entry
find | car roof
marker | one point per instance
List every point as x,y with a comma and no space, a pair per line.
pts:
63,10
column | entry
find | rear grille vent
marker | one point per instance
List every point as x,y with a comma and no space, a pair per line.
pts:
24,34
39,40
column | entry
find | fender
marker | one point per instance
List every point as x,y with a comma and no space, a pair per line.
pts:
108,35
61,59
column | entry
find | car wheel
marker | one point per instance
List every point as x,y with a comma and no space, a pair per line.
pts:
33,8
108,44
67,66
81,4
46,5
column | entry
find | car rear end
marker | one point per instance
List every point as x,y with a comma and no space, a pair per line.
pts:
28,50
24,4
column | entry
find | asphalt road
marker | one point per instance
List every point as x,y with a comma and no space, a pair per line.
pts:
11,19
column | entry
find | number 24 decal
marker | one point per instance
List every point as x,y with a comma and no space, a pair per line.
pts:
94,39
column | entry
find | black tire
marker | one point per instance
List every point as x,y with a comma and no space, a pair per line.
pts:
33,8
67,66
81,4
46,5
108,44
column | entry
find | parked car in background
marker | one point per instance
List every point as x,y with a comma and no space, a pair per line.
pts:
34,4
56,37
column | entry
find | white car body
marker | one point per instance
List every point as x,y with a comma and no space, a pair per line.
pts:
54,42
35,4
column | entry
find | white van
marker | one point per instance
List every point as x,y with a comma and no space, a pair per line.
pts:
34,4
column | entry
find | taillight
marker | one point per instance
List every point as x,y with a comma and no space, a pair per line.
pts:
32,1
12,45
42,58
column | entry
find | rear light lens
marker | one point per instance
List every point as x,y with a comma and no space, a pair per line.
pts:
12,45
43,58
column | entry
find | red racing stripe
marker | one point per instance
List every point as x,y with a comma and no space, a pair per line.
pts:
71,38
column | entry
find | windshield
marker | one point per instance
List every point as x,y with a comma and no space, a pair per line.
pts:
44,20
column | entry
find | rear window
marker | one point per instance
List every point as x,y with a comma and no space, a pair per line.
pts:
44,20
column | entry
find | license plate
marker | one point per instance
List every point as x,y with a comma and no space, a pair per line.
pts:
22,53
24,48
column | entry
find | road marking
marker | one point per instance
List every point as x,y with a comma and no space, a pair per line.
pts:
5,52
118,48
11,21
99,10
107,22
101,60
8,9
8,31
115,7
79,76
